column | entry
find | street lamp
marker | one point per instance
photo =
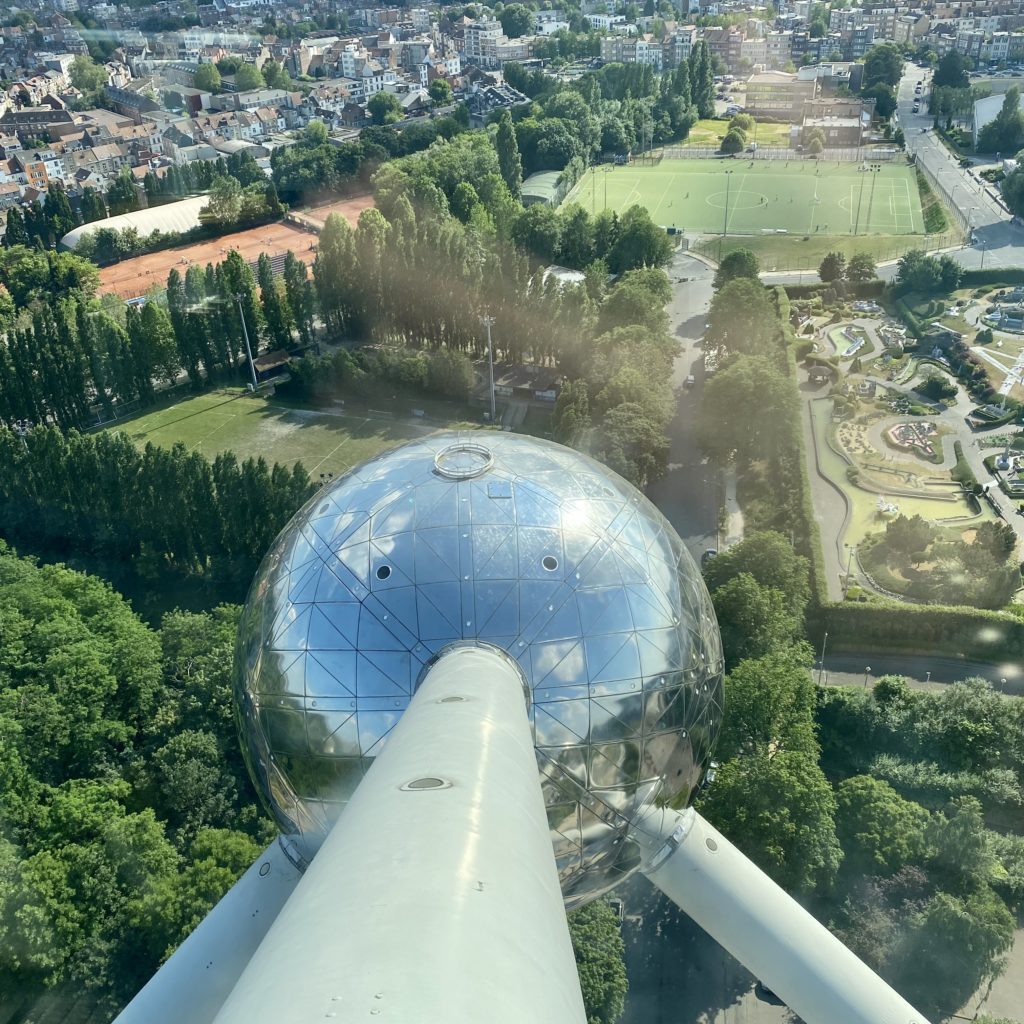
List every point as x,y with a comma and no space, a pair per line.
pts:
867,672
1002,684
821,664
245,333
851,548
488,321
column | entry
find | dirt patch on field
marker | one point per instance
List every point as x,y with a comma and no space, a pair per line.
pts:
134,277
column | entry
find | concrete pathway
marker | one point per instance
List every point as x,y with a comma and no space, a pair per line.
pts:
688,494
733,512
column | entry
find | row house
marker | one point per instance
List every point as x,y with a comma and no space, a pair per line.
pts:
433,68
101,161
13,173
33,90
375,78
39,167
754,51
632,50
237,125
678,45
142,140
261,98
910,29
271,120
326,99
118,74
857,41
778,49
726,44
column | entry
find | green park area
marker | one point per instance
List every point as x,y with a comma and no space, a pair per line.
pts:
798,197
711,131
788,213
323,441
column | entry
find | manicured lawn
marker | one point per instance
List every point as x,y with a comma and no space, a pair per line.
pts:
710,132
323,441
799,197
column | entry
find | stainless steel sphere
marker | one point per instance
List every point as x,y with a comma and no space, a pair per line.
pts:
509,540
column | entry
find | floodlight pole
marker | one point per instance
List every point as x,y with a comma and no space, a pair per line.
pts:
875,170
435,898
488,321
725,224
248,348
860,203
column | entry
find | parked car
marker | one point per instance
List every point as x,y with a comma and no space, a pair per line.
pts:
690,379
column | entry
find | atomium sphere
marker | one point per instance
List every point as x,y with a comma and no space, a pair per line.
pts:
495,538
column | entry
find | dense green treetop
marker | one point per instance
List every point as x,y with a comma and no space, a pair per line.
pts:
599,950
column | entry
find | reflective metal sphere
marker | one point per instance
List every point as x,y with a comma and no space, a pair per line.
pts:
505,539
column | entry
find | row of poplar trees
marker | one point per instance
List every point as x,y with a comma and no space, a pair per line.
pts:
74,362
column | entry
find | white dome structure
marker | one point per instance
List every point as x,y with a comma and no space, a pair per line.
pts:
169,218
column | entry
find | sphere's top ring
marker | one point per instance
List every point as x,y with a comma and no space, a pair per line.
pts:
464,460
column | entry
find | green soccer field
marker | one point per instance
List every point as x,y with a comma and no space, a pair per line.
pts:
801,197
220,421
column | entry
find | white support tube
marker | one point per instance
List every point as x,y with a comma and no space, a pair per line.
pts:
435,898
199,976
778,941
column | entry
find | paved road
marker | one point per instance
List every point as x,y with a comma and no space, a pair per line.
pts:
688,495
847,668
997,241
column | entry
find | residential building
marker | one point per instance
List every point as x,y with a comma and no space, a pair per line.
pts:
481,41
781,95
632,50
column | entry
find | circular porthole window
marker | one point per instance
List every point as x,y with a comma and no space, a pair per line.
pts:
383,572
549,562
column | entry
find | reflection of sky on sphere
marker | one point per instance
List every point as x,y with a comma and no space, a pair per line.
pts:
524,545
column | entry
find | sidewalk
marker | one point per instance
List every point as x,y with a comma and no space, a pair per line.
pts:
731,507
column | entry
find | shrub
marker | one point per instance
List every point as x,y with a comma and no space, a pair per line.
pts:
962,472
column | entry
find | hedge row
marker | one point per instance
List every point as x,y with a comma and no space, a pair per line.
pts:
962,472
994,275
854,290
888,625
809,532
913,324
